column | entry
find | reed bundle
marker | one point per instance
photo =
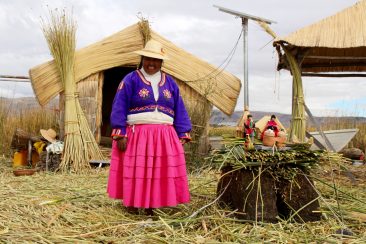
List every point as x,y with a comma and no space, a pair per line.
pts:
298,120
145,30
80,145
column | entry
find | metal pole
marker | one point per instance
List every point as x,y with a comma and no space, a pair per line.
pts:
245,49
29,156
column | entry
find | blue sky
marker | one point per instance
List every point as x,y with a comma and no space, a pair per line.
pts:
195,26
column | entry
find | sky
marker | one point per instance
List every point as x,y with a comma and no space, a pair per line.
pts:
197,27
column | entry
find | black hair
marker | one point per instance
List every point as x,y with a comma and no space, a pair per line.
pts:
273,116
249,115
140,64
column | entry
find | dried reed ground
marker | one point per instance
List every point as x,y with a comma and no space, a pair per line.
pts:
84,214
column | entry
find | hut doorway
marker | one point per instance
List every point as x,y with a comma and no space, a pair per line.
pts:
112,78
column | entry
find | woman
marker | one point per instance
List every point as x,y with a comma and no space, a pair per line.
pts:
150,124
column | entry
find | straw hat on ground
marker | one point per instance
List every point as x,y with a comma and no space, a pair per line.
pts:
153,49
49,135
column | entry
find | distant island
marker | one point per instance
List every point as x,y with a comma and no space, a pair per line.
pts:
219,118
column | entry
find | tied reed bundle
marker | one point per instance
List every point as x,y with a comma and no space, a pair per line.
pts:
144,29
298,121
80,145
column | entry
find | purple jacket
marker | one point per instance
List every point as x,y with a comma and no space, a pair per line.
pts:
135,95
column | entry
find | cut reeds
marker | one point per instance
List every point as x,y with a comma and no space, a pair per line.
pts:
80,145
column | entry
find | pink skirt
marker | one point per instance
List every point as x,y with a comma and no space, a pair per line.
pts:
151,173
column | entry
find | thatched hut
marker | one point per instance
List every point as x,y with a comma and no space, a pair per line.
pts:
326,48
334,44
101,66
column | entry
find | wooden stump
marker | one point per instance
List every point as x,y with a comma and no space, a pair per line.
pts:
258,196
251,192
298,195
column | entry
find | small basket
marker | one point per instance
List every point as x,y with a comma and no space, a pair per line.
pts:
281,139
269,140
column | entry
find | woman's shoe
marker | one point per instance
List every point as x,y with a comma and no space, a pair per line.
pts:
132,210
149,212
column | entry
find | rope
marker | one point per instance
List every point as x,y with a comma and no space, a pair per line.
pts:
222,66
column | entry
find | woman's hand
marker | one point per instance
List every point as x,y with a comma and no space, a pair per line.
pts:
183,141
122,144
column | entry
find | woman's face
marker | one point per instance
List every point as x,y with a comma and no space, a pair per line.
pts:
151,65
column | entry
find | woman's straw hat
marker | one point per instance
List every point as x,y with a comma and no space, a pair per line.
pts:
49,135
153,49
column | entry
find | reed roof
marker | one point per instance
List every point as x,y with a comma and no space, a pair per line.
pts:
334,44
221,88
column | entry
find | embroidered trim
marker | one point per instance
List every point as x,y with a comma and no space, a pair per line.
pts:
144,108
152,107
163,79
121,85
142,77
165,109
118,132
186,136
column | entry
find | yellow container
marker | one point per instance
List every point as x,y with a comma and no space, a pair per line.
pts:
20,159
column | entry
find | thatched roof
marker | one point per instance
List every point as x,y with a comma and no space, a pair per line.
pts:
219,87
334,44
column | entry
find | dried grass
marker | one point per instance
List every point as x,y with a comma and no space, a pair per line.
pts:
58,208
29,120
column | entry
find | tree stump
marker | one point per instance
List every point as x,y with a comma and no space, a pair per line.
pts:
258,196
298,199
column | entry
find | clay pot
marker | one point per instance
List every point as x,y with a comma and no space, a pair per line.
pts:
22,172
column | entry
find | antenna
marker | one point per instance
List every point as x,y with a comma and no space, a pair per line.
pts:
244,20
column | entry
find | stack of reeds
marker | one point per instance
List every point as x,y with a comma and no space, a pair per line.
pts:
234,155
80,145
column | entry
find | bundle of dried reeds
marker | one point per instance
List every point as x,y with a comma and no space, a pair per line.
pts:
80,145
298,121
145,29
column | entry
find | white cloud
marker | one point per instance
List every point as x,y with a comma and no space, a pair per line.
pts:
195,26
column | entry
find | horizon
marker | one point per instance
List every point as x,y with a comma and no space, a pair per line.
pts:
214,109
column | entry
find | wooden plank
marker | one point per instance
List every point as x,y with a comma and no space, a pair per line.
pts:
327,142
333,75
334,57
332,65
14,77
